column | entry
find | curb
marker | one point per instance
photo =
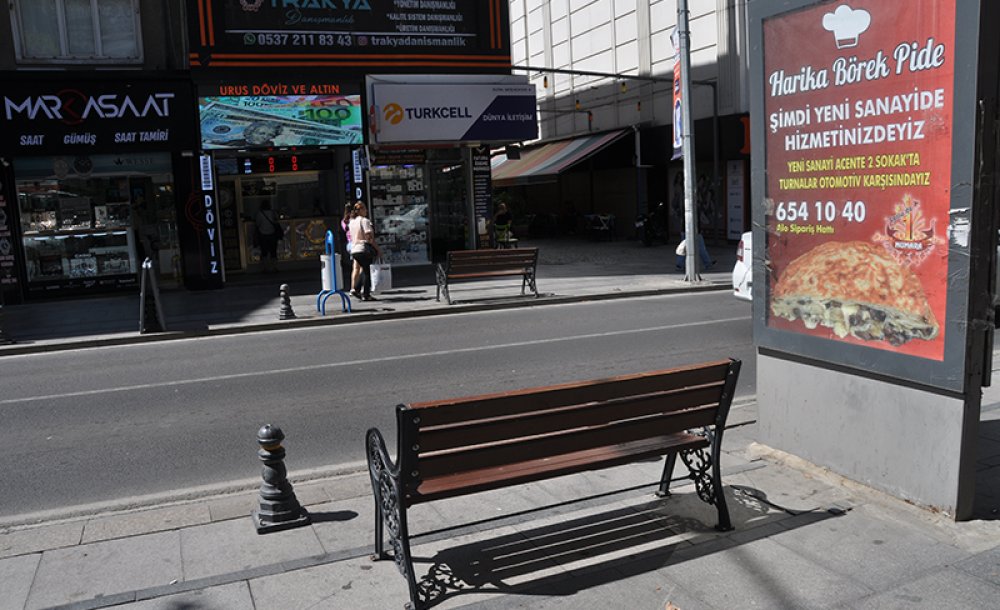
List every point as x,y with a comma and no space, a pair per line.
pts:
181,497
16,349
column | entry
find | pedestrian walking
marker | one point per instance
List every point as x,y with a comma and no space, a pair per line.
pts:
363,251
348,268
269,233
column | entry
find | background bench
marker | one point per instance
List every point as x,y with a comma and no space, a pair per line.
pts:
461,446
464,265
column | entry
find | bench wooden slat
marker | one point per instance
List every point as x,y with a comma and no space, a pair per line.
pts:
542,421
461,257
488,266
488,406
436,464
501,256
535,470
485,272
492,273
507,252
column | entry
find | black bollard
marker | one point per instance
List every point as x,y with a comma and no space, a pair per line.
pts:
278,508
286,312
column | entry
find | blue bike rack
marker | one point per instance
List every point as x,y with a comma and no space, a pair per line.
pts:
321,298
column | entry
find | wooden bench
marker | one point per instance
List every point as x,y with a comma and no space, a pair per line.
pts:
464,265
461,446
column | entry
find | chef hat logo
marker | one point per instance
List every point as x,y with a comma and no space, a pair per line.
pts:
847,25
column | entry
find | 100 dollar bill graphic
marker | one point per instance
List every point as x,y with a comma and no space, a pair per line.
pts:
228,126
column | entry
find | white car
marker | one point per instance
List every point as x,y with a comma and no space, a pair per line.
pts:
743,271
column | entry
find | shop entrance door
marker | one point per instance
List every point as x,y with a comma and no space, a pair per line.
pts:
448,209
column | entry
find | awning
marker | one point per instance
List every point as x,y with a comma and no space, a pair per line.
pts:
544,163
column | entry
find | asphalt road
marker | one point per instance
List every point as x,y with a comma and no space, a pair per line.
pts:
105,424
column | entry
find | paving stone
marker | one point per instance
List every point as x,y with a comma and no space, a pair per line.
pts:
349,486
17,574
787,488
985,565
232,507
234,596
479,564
309,494
603,536
639,587
478,511
43,538
951,589
233,546
763,574
106,568
145,522
345,525
346,585
693,518
871,550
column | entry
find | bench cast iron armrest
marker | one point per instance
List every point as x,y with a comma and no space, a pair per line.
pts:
386,489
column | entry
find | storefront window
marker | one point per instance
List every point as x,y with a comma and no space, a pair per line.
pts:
90,221
399,213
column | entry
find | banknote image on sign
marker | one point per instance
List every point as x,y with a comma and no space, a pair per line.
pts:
280,121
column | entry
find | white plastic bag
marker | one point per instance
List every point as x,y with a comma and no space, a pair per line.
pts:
682,248
381,276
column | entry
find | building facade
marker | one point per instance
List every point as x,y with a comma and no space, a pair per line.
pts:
605,68
97,120
135,129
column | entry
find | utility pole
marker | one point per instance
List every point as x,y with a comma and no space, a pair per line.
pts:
687,146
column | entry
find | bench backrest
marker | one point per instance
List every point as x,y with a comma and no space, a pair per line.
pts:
451,436
485,261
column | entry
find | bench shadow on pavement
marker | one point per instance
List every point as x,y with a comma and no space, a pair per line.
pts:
608,546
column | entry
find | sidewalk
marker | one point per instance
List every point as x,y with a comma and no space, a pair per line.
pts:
569,270
803,538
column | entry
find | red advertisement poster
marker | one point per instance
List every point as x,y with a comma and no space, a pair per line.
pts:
858,111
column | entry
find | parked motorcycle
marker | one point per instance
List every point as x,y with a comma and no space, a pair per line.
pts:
653,226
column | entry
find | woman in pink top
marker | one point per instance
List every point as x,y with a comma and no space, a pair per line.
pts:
363,251
349,270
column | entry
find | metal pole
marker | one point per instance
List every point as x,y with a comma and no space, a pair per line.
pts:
687,146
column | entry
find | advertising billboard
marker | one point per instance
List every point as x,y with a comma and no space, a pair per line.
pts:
860,160
112,112
454,112
361,35
277,113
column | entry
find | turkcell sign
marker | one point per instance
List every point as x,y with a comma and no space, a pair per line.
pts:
454,112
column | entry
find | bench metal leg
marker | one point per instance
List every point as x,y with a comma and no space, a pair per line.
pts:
380,472
705,472
668,471
529,280
390,514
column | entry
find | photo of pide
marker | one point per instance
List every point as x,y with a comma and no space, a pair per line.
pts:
855,289
858,188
